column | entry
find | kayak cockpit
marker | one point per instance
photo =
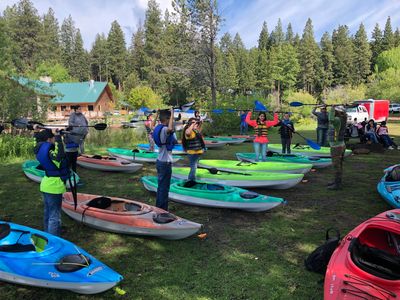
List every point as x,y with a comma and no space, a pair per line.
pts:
13,241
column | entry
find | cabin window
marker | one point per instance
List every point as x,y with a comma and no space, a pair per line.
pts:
90,107
63,108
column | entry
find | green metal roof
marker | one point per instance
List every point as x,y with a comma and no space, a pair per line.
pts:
78,92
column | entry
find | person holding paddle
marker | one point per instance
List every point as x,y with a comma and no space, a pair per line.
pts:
337,128
79,124
49,151
286,131
323,124
261,126
193,144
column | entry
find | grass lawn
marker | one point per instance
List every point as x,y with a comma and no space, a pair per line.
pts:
245,256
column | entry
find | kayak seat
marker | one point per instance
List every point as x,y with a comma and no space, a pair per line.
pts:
189,184
249,195
5,230
117,205
164,218
17,247
40,167
375,261
96,156
100,202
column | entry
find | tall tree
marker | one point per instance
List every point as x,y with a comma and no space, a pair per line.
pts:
328,60
117,54
396,37
99,59
344,55
388,36
80,59
262,71
362,59
50,34
206,18
263,40
67,42
226,43
137,53
309,58
376,44
5,49
289,34
277,35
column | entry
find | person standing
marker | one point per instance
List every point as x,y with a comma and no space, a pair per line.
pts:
193,144
79,125
243,125
261,126
164,137
49,151
286,131
149,126
337,128
322,124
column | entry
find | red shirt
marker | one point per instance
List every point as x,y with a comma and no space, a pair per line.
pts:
253,123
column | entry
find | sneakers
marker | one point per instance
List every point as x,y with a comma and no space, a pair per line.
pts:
398,147
391,147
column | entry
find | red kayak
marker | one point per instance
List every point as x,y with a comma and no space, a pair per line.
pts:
366,264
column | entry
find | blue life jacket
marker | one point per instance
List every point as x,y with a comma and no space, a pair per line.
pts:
43,156
169,143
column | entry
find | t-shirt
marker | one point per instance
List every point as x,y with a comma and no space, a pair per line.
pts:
163,154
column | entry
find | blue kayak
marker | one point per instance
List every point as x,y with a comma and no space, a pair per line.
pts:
178,149
389,188
33,257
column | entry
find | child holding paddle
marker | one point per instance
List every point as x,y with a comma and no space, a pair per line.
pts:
261,126
286,131
193,144
49,152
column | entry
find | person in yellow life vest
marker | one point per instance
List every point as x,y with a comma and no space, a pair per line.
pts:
49,151
261,126
193,144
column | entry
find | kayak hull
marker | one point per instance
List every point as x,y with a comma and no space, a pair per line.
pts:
306,150
229,197
178,149
361,267
390,191
119,218
253,180
316,162
37,265
149,157
276,167
108,164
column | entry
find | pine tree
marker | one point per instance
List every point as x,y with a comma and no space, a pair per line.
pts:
117,54
327,61
137,53
362,60
263,40
99,56
277,35
51,43
5,49
289,34
67,42
388,37
396,37
80,59
343,50
226,44
262,71
309,59
376,44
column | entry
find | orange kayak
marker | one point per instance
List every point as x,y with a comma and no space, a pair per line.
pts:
107,163
127,216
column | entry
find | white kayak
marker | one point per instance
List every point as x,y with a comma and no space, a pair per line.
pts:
107,163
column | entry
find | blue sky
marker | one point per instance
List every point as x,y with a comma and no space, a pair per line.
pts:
240,16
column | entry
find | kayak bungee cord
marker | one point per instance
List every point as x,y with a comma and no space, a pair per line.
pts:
373,285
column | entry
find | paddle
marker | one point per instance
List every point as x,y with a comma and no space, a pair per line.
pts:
298,104
215,171
23,123
311,143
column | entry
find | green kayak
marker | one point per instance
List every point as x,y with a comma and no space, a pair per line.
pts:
233,165
214,195
137,155
34,171
306,150
248,179
317,162
226,140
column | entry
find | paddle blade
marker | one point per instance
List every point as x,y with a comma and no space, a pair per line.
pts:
100,126
296,104
187,106
313,144
20,123
258,106
217,111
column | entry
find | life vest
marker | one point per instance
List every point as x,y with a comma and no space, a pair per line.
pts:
169,143
43,156
338,136
261,129
194,144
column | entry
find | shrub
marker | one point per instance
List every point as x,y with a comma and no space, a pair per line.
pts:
14,146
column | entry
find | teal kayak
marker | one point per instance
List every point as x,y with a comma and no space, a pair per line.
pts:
226,140
389,189
35,172
306,150
248,179
137,155
243,166
317,162
214,195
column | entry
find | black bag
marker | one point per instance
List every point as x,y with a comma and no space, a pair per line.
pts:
318,260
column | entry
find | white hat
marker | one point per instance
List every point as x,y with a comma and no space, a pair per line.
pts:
340,108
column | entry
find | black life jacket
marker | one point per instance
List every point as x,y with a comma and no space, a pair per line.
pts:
194,144
50,168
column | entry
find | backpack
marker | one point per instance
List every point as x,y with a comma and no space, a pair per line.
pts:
318,260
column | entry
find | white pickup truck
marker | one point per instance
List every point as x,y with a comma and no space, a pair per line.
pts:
358,111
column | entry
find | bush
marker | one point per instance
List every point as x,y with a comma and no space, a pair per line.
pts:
115,137
225,123
13,146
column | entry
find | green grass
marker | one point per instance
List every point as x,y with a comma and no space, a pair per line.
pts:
245,256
